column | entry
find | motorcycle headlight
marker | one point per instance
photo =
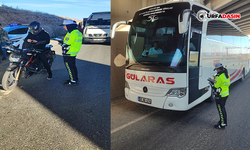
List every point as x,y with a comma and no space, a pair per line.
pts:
177,92
9,48
14,58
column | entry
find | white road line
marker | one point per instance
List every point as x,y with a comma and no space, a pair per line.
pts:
134,121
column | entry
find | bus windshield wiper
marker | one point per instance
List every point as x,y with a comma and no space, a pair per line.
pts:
136,63
153,63
159,64
169,69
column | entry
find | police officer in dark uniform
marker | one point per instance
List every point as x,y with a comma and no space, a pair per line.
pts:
37,39
72,43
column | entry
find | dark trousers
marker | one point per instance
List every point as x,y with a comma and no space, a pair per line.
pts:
42,57
220,103
70,63
3,49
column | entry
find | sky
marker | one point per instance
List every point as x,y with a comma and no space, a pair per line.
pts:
75,9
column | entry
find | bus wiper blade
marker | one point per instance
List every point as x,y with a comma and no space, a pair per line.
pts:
169,69
155,63
160,64
136,63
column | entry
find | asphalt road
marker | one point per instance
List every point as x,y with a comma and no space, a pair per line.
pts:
42,114
139,127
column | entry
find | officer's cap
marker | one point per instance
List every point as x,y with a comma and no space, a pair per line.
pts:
218,65
68,22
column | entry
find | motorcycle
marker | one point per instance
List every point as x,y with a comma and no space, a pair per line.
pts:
23,63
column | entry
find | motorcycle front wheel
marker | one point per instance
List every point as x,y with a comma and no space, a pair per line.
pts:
9,81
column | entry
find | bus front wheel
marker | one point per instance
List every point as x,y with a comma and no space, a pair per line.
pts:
242,75
212,97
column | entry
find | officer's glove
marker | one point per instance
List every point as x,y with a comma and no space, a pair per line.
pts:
217,93
218,90
65,48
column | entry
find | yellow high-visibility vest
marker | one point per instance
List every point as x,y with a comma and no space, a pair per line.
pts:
222,82
74,40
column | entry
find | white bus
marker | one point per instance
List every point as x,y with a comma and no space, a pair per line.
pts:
175,76
97,28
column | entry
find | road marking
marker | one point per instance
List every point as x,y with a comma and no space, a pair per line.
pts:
134,121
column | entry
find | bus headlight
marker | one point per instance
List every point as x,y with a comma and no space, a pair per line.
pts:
178,92
127,85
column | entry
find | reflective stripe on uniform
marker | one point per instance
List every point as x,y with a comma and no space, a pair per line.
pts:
69,71
225,93
78,40
72,53
221,114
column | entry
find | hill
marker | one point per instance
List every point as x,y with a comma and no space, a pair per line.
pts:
49,22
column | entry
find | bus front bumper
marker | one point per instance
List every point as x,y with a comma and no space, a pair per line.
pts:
169,103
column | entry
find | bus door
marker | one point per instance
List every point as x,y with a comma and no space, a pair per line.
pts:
195,70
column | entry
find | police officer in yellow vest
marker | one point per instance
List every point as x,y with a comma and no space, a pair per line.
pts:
221,85
71,46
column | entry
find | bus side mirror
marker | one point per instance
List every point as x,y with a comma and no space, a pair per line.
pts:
115,26
183,21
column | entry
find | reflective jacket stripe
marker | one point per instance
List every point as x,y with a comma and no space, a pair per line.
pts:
225,93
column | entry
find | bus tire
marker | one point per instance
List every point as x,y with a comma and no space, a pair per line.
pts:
212,97
242,75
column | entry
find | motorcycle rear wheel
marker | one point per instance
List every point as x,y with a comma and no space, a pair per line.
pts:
8,81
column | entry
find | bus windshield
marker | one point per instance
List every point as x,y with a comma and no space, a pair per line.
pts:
154,38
